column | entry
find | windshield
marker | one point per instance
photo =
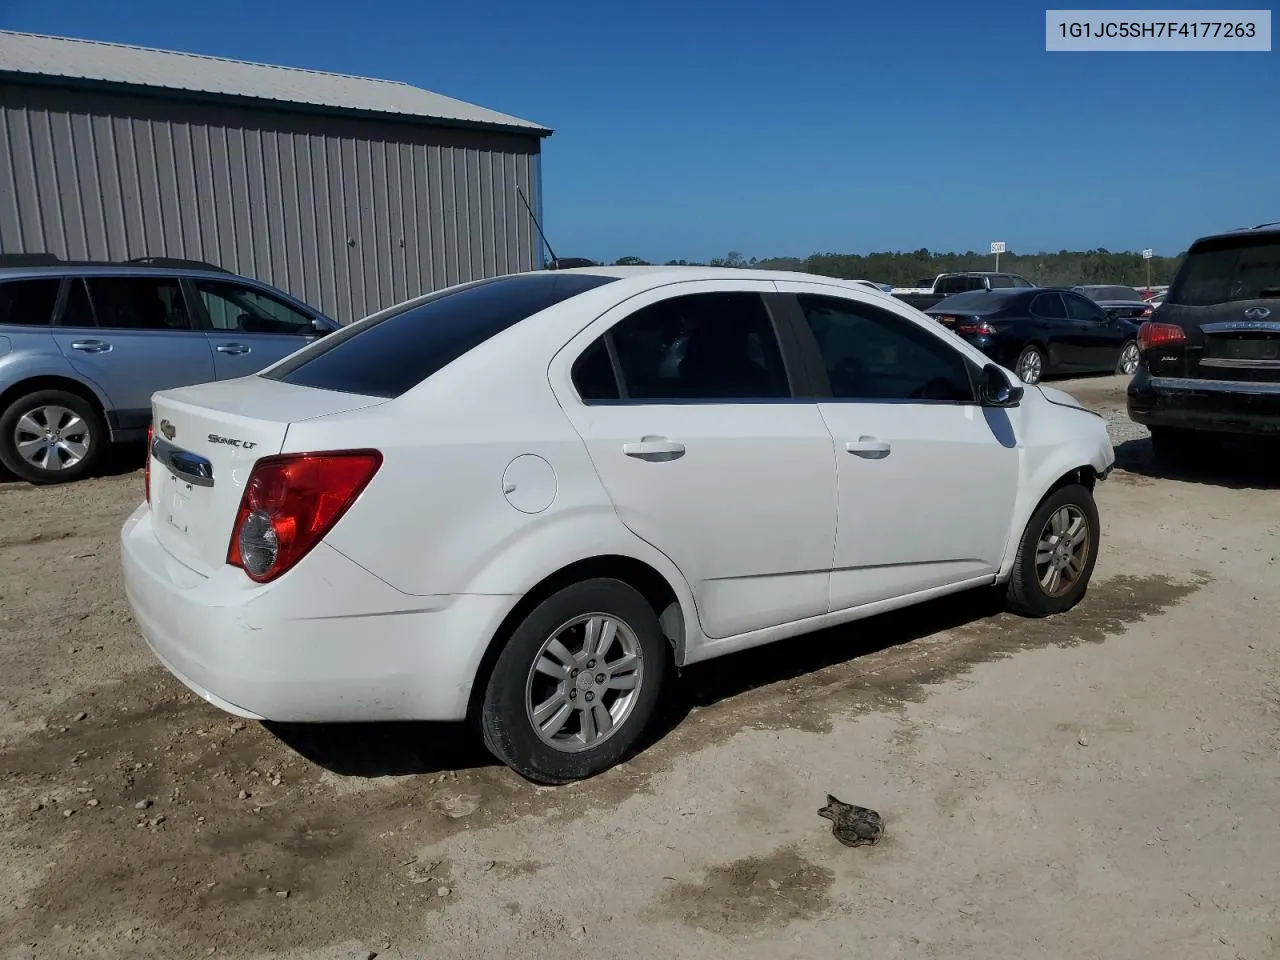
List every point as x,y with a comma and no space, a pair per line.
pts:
1228,269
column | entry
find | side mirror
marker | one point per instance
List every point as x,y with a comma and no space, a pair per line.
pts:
320,327
995,390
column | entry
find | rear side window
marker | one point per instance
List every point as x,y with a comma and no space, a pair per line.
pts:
138,303
710,347
1227,270
28,303
395,351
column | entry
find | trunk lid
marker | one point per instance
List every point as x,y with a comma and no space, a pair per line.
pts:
206,440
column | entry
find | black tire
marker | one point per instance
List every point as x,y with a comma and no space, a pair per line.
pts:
1176,446
95,436
1030,351
1120,370
505,722
1025,593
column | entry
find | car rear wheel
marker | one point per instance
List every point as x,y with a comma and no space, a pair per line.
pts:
51,436
576,684
1130,357
1056,555
1030,366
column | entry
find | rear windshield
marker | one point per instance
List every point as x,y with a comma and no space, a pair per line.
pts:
974,300
397,350
1228,269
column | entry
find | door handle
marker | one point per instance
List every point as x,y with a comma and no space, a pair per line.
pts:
654,449
91,346
233,348
869,448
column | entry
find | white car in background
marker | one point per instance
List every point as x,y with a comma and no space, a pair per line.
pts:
501,501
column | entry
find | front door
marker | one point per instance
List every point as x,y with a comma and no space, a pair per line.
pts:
248,329
132,336
927,478
704,452
1098,337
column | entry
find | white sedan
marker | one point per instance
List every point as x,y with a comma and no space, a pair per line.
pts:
523,500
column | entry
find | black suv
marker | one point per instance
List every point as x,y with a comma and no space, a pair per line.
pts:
1211,352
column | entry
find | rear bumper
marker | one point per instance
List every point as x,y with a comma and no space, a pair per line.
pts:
328,642
1218,405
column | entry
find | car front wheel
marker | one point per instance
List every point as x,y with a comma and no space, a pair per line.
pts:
1056,554
576,683
51,436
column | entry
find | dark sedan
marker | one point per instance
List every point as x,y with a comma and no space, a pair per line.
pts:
1041,331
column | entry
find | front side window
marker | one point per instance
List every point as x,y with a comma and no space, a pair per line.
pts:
871,354
28,303
244,309
1080,308
703,346
138,303
1048,306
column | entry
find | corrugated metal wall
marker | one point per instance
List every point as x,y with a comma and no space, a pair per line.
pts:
349,215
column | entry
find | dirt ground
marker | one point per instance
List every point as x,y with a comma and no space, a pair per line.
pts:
1101,784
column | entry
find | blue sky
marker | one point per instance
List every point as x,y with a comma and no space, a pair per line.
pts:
686,130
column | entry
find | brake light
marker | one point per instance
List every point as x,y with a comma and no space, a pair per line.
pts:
290,502
975,328
1152,335
146,471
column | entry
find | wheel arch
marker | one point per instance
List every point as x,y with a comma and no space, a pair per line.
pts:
52,381
653,585
1061,475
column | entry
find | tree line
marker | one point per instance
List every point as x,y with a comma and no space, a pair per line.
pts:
919,267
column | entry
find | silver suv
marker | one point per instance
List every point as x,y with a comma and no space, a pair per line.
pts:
83,346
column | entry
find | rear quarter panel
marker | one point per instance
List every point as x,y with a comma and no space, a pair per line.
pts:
436,518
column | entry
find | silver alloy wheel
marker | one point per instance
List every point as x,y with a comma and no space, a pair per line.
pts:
1030,368
584,682
1129,358
1063,550
52,437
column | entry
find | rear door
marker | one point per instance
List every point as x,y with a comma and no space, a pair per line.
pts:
131,335
248,328
927,478
1097,337
1052,327
683,399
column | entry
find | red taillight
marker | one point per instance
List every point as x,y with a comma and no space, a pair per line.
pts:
1152,334
146,471
290,502
981,327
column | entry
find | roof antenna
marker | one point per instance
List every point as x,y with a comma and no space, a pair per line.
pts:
537,226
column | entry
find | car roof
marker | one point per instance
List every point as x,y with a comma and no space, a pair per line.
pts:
659,274
73,268
1262,229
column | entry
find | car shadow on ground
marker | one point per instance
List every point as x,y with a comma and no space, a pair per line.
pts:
1247,464
119,460
406,748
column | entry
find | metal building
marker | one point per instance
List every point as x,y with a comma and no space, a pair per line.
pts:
350,193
